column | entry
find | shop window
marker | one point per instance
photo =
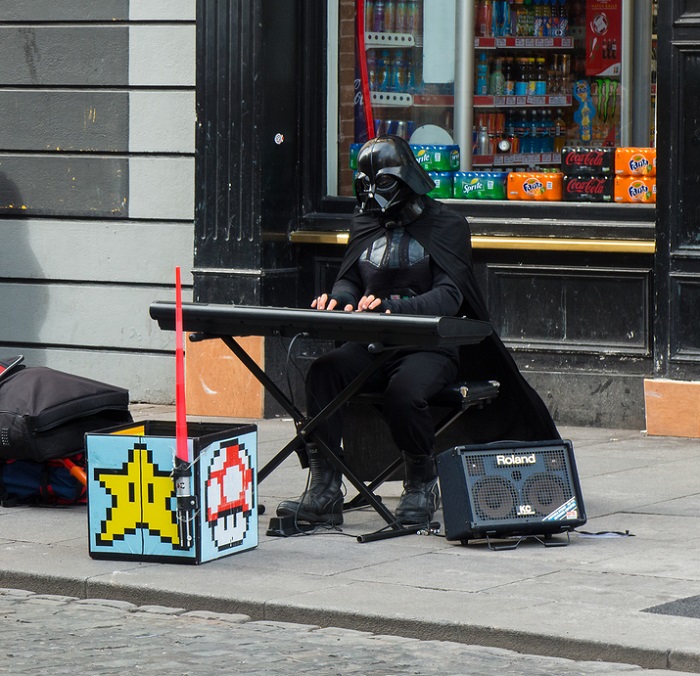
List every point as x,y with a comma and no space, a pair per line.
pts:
502,99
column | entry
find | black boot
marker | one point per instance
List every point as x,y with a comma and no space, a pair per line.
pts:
421,496
322,502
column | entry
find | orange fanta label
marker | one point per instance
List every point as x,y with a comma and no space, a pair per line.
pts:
532,185
635,161
635,189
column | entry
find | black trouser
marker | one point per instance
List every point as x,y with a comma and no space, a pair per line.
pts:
407,380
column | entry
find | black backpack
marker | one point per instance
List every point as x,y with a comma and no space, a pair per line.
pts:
44,416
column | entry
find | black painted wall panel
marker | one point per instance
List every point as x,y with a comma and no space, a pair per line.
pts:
610,309
515,293
686,292
689,8
587,309
60,185
58,10
689,207
64,55
61,120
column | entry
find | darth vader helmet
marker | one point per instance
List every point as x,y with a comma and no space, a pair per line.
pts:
389,175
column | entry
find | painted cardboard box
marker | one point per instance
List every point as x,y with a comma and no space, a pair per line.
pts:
140,507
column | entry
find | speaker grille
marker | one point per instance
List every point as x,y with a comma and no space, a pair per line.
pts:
522,484
494,498
544,493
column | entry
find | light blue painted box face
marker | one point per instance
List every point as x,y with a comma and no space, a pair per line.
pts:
132,504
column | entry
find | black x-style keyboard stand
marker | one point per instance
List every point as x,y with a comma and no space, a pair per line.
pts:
306,430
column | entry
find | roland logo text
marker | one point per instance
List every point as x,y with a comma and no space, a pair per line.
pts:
508,460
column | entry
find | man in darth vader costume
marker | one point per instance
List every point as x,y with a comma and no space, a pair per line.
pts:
409,254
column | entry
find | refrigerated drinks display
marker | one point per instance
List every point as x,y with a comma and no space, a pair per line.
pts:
401,100
546,76
553,73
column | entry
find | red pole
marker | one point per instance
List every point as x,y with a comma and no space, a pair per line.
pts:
180,404
364,78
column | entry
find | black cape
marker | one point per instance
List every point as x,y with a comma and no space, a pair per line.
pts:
518,413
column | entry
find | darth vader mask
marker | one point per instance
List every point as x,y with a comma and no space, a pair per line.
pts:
389,176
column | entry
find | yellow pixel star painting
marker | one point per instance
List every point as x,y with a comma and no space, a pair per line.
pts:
142,497
133,510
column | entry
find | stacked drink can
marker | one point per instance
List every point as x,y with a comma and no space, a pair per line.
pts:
480,185
393,16
439,161
588,174
635,175
538,18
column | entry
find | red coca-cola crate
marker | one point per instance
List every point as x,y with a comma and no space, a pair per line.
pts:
588,188
588,161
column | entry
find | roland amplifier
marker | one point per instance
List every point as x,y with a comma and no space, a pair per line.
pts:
510,488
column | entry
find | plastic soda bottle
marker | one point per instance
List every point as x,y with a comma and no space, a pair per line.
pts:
533,133
507,21
417,12
550,131
411,20
401,16
543,120
522,132
482,76
498,82
515,17
501,18
540,77
399,72
415,74
532,76
529,18
538,19
484,18
372,69
513,139
383,66
559,131
369,15
378,16
521,83
389,16
563,24
508,77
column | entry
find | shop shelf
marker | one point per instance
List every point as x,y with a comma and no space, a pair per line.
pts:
396,40
516,159
403,99
521,101
524,43
395,99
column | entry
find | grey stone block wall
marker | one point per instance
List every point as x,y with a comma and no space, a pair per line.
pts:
97,127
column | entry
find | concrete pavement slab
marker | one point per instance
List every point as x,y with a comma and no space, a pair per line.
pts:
587,600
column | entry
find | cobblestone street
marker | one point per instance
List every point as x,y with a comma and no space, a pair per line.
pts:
44,634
